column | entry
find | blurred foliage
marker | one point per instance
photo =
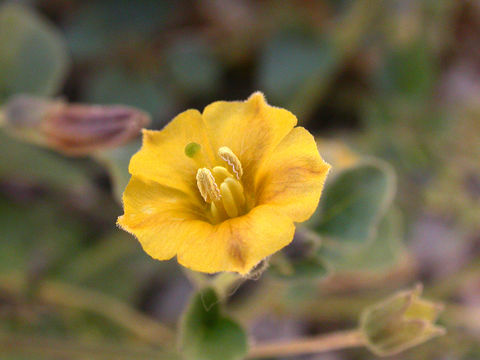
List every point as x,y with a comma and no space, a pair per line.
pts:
33,55
376,82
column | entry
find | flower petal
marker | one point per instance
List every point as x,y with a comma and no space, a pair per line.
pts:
152,214
237,244
162,157
251,129
293,178
166,224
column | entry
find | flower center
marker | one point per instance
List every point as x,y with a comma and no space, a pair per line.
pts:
220,186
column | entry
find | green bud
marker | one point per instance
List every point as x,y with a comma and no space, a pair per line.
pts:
400,322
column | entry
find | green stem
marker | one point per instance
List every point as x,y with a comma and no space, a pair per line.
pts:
66,295
25,345
2,117
224,283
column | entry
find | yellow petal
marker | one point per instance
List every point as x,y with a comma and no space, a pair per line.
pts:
162,157
293,178
153,212
251,129
237,244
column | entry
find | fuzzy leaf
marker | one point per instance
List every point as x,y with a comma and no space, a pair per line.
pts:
33,56
355,201
381,253
207,334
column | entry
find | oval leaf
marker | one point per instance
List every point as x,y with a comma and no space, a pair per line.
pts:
33,56
380,254
355,201
206,334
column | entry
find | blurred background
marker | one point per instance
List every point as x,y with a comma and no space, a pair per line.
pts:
394,81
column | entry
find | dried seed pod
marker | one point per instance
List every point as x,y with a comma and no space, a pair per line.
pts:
73,129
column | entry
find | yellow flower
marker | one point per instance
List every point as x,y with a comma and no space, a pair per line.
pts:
222,189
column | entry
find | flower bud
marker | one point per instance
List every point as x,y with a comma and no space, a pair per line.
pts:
73,129
400,322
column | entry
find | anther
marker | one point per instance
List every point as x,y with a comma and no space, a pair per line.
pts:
231,159
207,186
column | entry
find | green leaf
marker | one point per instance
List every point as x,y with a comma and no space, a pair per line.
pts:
193,66
33,56
410,71
355,201
130,24
116,85
39,165
379,254
289,62
300,260
311,267
36,235
207,334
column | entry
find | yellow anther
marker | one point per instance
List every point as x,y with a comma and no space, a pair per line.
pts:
228,200
228,156
207,186
220,174
236,189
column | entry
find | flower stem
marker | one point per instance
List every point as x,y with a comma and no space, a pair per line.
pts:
311,345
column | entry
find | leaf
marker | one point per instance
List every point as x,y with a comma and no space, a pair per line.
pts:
300,259
207,334
38,165
33,56
382,253
37,235
193,67
116,85
355,201
129,23
410,71
289,62
311,267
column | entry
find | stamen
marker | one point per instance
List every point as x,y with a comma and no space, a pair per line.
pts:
207,186
227,155
228,200
218,211
237,191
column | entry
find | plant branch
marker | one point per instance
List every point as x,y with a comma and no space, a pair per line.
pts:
312,345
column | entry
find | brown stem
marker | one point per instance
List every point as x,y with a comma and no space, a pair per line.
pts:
312,345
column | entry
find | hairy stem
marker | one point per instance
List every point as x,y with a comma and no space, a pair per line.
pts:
312,345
